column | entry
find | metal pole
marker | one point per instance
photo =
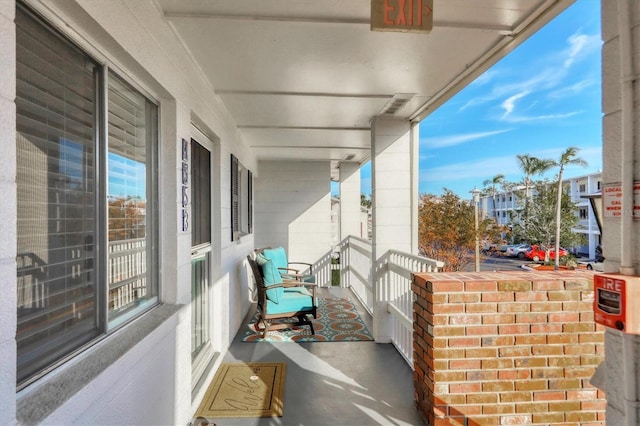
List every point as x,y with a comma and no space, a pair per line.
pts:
475,211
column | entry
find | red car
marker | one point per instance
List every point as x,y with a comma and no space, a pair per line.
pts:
537,253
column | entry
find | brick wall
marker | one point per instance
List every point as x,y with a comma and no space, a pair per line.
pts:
502,348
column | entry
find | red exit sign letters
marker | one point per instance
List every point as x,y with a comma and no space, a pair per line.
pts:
409,16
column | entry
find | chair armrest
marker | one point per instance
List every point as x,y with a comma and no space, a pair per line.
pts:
289,269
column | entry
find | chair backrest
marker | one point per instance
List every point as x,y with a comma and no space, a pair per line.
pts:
257,274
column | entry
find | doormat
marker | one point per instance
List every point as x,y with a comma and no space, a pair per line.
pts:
253,389
338,321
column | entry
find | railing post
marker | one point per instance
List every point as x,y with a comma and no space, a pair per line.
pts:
382,321
345,263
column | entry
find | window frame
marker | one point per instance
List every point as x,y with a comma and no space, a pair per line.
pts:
100,117
241,200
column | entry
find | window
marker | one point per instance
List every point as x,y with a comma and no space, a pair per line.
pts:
241,199
583,187
86,199
598,184
583,212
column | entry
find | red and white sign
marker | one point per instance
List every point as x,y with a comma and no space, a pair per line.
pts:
612,200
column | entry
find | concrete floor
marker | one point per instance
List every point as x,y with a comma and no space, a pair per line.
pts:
337,383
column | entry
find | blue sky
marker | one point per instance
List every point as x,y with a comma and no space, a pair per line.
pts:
540,99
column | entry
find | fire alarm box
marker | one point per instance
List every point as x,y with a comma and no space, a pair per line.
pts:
616,302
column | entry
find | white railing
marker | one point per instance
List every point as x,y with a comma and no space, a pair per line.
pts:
355,264
127,272
394,276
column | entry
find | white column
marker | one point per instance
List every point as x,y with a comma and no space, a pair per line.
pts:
394,197
8,209
350,201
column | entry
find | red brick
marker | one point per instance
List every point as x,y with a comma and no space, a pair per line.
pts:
498,297
516,397
482,398
513,307
515,374
557,296
549,396
514,351
548,350
464,298
523,419
546,307
497,363
531,318
446,285
531,339
499,409
449,376
532,296
583,394
583,349
484,375
482,330
580,416
564,361
498,341
564,384
564,317
465,364
514,286
551,285
586,285
466,342
548,418
513,329
532,407
464,387
531,385
577,306
530,362
546,328
481,353
481,308
449,308
480,286
500,386
448,331
555,339
499,319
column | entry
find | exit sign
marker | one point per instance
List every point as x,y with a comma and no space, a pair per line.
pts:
409,16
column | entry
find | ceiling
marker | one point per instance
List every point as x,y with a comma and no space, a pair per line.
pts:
304,78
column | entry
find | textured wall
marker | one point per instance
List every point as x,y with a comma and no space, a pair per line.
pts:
507,348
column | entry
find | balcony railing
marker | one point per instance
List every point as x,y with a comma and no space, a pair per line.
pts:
394,274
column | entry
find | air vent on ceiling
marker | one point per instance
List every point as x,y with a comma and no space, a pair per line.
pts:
396,103
349,157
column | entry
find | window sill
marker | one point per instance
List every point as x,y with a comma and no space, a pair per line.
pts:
37,401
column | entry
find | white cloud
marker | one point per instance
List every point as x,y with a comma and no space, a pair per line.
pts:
580,45
453,140
524,118
510,103
572,90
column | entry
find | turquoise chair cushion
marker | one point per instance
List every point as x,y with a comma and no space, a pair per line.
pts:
278,255
271,276
293,299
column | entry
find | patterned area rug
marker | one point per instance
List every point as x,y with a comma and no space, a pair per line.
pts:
338,321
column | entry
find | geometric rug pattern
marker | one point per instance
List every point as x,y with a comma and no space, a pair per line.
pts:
337,321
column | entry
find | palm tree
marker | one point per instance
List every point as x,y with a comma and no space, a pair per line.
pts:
532,166
568,157
496,180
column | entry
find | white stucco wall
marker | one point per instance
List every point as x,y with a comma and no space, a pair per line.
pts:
612,374
151,382
303,226
350,201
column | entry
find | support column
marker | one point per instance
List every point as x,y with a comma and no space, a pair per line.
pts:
394,197
350,223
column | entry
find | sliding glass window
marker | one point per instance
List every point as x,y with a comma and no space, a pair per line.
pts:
86,203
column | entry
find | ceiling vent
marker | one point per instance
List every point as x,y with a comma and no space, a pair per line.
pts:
396,103
349,157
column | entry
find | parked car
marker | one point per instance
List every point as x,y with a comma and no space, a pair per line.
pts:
518,250
593,265
537,253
